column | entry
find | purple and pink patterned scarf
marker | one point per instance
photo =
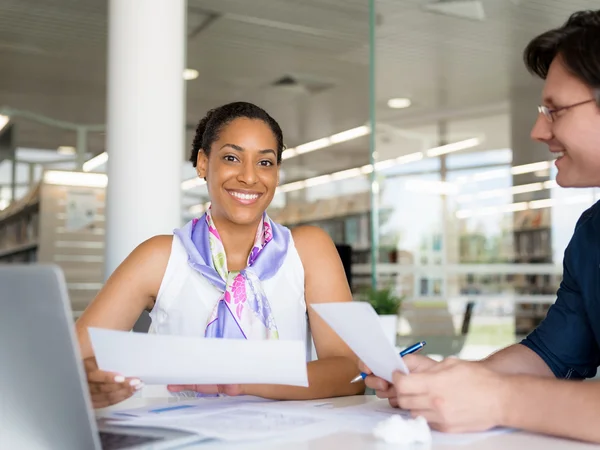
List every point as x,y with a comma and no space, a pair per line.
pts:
243,311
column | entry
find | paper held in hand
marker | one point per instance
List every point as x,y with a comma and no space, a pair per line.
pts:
359,326
162,359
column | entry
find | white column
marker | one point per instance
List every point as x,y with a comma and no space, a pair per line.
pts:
145,125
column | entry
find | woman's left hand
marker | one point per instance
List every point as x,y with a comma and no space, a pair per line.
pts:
231,390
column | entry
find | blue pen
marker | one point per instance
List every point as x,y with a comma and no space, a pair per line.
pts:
407,351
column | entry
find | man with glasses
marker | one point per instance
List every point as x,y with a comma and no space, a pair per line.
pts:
531,385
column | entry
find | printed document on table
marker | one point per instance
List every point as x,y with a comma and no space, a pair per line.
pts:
164,359
242,424
359,326
197,406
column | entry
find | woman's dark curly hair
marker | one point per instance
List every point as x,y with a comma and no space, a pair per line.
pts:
213,122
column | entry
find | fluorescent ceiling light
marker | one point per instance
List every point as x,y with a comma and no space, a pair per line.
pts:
513,190
545,203
399,103
431,187
355,172
199,209
294,186
3,121
350,134
411,157
96,161
323,179
528,168
345,174
313,145
66,150
522,206
454,147
343,136
499,173
190,74
75,178
192,183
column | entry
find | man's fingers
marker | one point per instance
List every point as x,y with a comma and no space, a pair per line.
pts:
414,402
432,417
419,363
389,393
377,383
415,384
363,368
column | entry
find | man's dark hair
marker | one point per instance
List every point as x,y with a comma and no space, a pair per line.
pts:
577,42
213,122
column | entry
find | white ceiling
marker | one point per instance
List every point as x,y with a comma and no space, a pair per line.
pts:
54,63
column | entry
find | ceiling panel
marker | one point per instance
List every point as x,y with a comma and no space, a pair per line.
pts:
53,56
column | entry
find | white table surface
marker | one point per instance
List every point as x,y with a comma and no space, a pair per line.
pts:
356,441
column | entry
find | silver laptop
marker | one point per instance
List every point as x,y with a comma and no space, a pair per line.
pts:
44,400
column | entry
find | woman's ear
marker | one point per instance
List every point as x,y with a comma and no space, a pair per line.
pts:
202,164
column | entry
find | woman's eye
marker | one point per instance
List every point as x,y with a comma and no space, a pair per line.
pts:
266,163
230,158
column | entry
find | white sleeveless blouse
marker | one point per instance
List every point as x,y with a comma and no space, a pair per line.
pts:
186,299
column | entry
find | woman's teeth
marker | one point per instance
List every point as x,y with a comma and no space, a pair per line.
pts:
244,196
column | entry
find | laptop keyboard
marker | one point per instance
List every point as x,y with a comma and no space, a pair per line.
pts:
115,441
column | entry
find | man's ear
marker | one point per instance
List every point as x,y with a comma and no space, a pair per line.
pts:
202,164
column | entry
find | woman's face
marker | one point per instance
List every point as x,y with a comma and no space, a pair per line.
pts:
241,170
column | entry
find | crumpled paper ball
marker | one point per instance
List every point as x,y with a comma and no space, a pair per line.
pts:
398,430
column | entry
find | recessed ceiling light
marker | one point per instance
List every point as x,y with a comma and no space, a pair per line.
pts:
190,74
3,121
66,150
399,103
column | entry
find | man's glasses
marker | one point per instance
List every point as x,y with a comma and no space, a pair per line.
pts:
549,113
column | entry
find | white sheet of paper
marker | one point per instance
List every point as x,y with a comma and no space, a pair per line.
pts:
240,424
359,326
198,406
162,359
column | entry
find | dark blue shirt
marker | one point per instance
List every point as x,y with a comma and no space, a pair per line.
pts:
568,339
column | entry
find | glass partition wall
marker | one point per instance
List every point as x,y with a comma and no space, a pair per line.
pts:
468,224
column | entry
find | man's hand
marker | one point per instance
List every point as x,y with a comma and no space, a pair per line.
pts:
453,396
383,389
231,390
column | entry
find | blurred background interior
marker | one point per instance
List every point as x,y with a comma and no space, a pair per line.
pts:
407,123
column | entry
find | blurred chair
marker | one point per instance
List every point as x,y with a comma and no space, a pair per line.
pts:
432,322
143,323
345,252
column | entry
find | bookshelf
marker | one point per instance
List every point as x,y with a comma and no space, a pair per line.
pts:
60,221
345,218
19,230
532,245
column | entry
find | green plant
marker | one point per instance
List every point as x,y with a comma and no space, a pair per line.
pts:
384,301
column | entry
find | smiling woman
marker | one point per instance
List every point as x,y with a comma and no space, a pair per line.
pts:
247,144
232,273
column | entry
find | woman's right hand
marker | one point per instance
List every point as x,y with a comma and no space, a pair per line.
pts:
107,388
